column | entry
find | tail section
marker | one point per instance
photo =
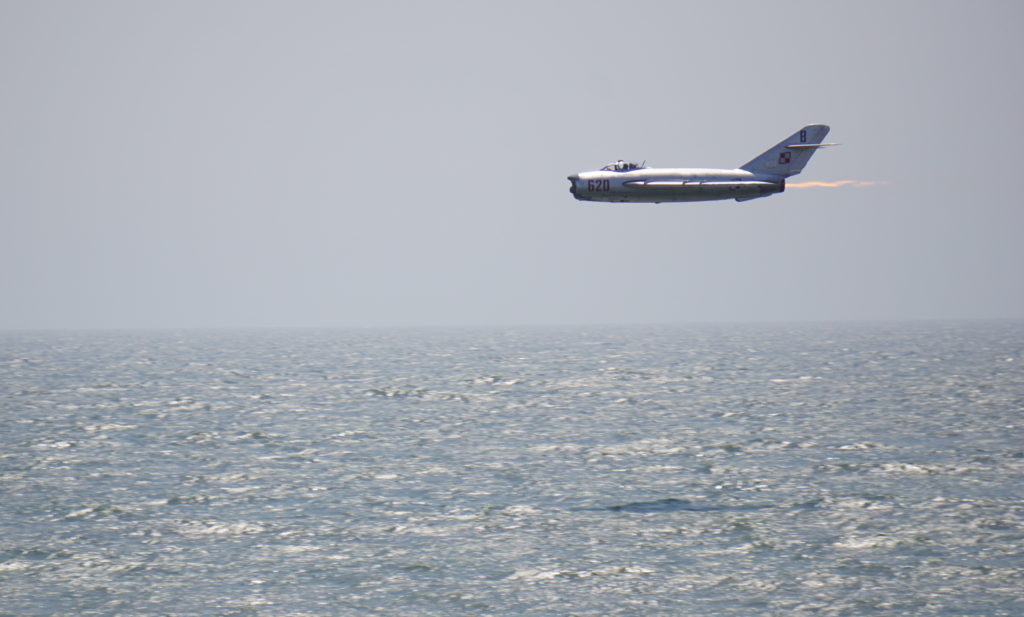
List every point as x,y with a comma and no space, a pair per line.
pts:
790,155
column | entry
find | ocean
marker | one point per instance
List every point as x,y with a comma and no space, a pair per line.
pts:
717,470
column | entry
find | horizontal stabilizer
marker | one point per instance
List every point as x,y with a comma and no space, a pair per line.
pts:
805,146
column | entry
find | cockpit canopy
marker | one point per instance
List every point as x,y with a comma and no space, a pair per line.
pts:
621,166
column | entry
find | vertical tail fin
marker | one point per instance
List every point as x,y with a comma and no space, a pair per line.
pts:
790,155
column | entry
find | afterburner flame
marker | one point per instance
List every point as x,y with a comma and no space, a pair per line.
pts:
815,184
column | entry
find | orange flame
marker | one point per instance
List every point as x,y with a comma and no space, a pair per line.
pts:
813,184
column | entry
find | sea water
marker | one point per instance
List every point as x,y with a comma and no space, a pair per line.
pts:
822,469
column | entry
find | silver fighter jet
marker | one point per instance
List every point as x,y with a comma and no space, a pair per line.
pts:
763,176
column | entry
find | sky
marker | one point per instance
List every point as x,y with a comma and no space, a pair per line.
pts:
206,164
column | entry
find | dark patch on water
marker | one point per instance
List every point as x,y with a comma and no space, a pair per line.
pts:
684,505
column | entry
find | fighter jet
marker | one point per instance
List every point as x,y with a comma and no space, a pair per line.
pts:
765,175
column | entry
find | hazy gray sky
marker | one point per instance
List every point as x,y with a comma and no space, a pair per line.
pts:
167,164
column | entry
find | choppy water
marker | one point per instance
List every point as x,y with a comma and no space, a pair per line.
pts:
733,471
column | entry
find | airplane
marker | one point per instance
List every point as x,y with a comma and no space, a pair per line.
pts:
765,175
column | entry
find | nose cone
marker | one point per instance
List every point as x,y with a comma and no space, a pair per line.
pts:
572,183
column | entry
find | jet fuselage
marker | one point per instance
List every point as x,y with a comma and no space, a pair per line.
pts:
651,185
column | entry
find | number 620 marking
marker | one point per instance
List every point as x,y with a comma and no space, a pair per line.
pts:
599,185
